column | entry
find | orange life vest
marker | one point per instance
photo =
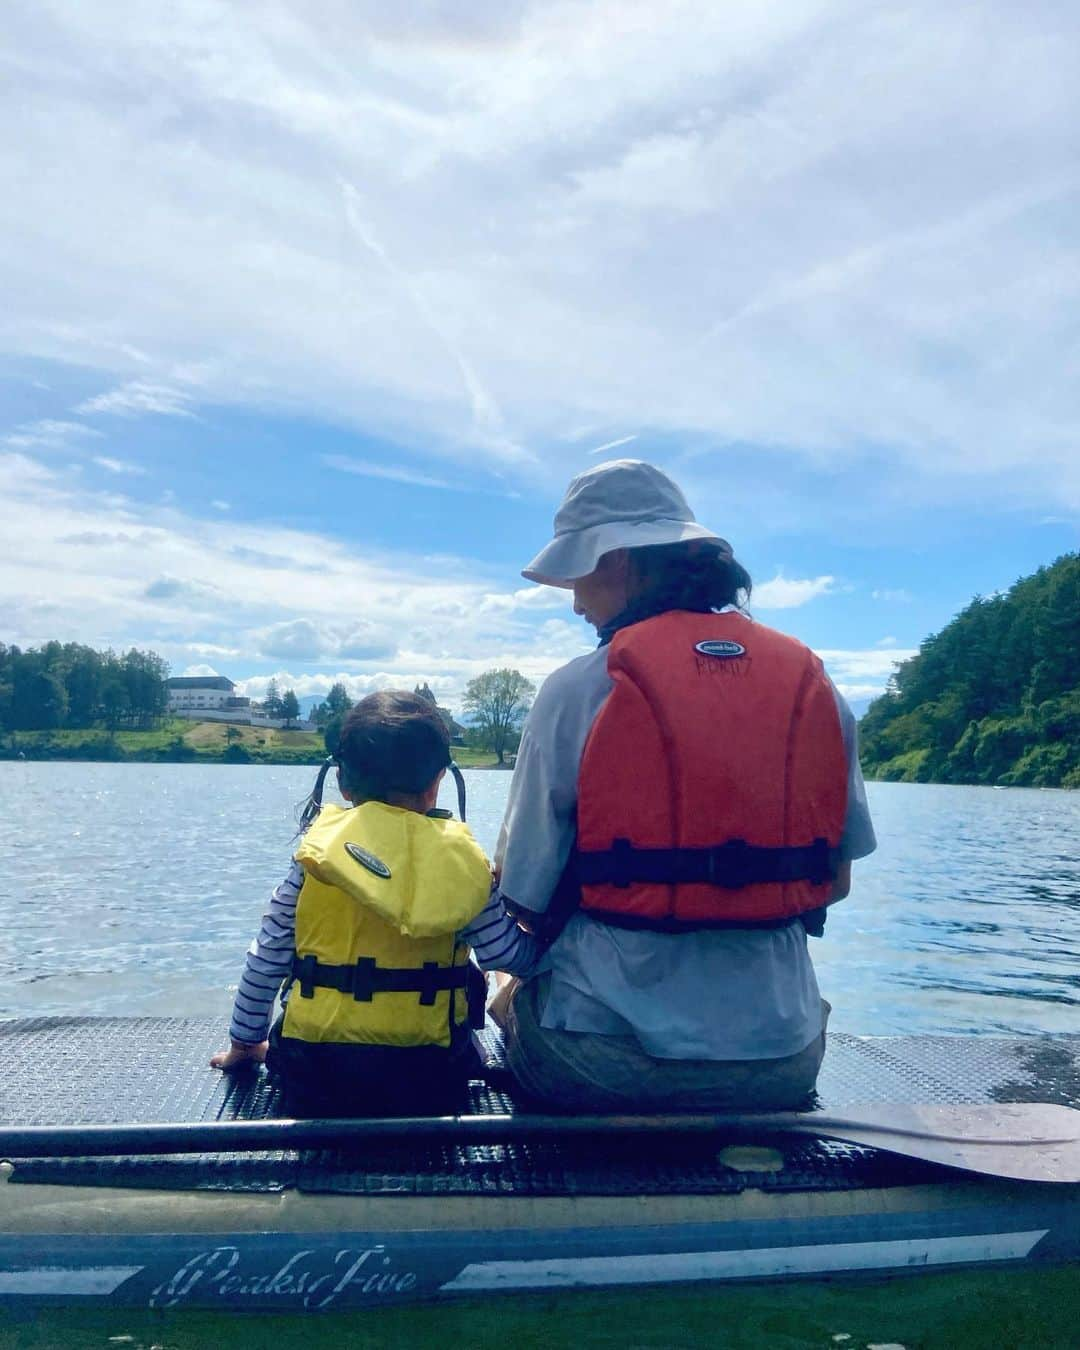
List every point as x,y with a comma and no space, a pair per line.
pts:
713,787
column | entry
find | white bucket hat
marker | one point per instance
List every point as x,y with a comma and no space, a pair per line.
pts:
624,503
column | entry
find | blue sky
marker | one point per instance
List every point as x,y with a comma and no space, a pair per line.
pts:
307,324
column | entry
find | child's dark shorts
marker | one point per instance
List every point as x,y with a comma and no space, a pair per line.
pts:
323,1080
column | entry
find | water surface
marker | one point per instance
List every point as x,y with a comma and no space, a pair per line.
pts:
134,889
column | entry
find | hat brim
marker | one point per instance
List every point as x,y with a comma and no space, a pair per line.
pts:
576,553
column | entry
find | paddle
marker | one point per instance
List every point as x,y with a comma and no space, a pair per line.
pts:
1020,1141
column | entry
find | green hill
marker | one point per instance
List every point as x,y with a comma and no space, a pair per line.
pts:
993,698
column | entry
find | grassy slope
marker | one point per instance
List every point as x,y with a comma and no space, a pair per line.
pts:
181,740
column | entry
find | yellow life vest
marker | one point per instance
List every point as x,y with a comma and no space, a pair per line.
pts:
377,957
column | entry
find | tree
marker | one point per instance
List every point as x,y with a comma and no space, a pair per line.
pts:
83,683
272,701
290,706
333,707
115,701
144,675
39,700
498,701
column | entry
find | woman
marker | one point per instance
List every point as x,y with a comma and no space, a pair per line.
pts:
686,801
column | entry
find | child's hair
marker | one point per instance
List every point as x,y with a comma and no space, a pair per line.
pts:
391,742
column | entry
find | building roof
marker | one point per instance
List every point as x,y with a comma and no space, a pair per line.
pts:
199,682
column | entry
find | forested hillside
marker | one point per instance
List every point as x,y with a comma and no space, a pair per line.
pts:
993,698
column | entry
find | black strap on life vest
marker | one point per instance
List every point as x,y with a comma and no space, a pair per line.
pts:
730,865
366,978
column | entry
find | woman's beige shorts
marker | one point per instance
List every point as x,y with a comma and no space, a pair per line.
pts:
582,1071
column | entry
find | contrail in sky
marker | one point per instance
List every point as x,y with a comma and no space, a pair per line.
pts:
610,445
486,414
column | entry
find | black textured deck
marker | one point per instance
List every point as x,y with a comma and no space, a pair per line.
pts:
64,1071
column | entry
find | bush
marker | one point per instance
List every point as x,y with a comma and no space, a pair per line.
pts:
176,752
1001,742
1041,766
905,768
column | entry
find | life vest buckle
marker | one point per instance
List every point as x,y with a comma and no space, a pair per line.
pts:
728,865
622,862
823,862
304,971
430,984
362,980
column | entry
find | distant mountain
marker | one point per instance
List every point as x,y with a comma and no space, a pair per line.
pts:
993,698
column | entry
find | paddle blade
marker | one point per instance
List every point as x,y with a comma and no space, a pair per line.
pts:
1020,1141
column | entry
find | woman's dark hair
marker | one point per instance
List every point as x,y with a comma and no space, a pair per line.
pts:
391,742
696,574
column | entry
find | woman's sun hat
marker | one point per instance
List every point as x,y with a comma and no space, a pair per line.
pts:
624,503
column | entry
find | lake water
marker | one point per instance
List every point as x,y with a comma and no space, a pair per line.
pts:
134,889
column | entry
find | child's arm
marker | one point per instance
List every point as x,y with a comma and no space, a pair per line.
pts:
268,962
498,941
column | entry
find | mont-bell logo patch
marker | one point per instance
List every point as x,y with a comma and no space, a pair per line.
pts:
368,860
720,647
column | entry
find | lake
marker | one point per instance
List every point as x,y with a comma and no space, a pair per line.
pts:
134,889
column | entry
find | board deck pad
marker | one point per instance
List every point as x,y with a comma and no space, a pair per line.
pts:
70,1071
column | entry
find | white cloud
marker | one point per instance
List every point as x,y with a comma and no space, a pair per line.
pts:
894,596
48,434
861,675
298,640
118,465
305,640
858,695
139,397
24,470
479,232
527,598
219,505
210,649
790,592
869,668
201,669
364,642
174,590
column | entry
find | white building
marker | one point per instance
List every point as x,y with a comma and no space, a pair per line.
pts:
212,697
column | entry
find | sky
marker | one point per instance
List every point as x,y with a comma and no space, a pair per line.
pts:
310,312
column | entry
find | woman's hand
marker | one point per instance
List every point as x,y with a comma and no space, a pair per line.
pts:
239,1053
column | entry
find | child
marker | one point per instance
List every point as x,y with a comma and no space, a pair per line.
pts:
373,928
